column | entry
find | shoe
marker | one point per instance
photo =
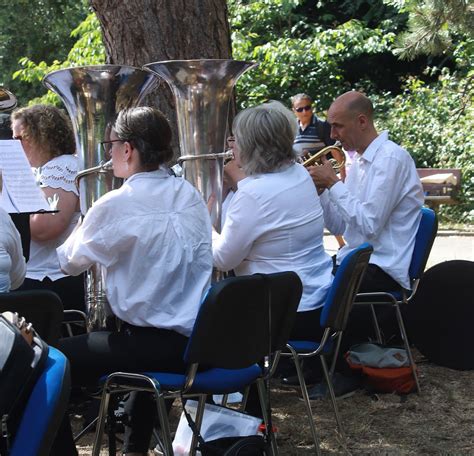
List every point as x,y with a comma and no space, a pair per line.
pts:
310,377
344,386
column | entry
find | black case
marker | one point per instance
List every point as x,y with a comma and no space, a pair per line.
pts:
20,366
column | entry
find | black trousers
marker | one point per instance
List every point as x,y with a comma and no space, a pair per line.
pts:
360,325
133,349
70,289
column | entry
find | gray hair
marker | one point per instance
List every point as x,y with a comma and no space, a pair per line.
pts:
273,104
148,130
300,96
264,137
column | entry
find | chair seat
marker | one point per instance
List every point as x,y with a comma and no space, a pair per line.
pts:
307,346
212,381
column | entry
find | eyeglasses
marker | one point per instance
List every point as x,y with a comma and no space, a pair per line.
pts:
107,145
303,108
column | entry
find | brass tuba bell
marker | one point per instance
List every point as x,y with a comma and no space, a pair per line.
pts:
337,159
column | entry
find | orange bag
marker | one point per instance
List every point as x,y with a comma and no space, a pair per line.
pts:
387,380
385,369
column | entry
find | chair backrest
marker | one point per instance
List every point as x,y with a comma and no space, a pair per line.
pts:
232,327
425,237
45,409
42,308
344,288
285,290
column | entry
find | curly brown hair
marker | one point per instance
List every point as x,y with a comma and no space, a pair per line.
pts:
48,127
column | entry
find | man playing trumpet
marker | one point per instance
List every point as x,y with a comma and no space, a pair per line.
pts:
381,199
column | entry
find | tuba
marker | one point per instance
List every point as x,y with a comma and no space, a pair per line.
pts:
202,91
337,157
93,96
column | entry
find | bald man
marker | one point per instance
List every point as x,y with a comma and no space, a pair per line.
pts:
381,198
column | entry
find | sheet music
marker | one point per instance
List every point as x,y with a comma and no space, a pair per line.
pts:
20,193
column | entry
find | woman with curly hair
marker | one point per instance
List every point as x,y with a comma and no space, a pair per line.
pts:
47,138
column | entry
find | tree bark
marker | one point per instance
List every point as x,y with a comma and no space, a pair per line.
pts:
137,32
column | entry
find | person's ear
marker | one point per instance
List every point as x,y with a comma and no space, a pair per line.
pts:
129,149
363,121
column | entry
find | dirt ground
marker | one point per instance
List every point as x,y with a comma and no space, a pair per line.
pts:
438,421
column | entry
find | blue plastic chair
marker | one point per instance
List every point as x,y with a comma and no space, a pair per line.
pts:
45,409
334,318
241,320
425,237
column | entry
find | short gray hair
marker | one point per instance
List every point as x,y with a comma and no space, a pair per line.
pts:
273,104
264,137
300,96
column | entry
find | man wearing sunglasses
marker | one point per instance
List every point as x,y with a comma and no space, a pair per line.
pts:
313,133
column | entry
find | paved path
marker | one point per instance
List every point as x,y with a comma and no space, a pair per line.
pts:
447,246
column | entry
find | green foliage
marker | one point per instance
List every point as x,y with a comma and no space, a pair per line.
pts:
434,122
435,26
87,50
301,57
38,29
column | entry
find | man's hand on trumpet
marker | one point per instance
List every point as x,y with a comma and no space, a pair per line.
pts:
323,175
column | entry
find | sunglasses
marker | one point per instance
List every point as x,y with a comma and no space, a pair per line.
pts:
303,108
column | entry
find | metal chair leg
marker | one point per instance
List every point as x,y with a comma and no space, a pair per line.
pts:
332,395
304,393
376,324
335,355
166,443
198,420
104,405
403,333
262,394
78,436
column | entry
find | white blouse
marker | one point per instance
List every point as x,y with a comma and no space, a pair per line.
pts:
153,236
60,173
274,223
12,263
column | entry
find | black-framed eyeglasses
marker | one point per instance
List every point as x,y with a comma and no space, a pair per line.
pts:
107,145
303,108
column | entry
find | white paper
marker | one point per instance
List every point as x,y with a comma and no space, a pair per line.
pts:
20,192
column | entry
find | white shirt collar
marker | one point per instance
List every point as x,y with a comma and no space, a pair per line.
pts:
369,153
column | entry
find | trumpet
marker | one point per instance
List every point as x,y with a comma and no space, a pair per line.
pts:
337,159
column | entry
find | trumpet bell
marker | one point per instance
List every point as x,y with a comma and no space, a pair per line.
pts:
333,153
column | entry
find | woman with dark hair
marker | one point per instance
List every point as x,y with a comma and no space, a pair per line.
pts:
47,138
153,235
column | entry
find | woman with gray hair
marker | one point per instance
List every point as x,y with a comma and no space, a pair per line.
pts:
275,220
151,232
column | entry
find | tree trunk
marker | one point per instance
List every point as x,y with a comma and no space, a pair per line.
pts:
137,32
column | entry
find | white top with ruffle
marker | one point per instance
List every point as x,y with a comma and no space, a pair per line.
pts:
59,173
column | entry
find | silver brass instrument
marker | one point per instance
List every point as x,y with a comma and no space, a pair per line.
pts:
202,91
93,95
337,159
